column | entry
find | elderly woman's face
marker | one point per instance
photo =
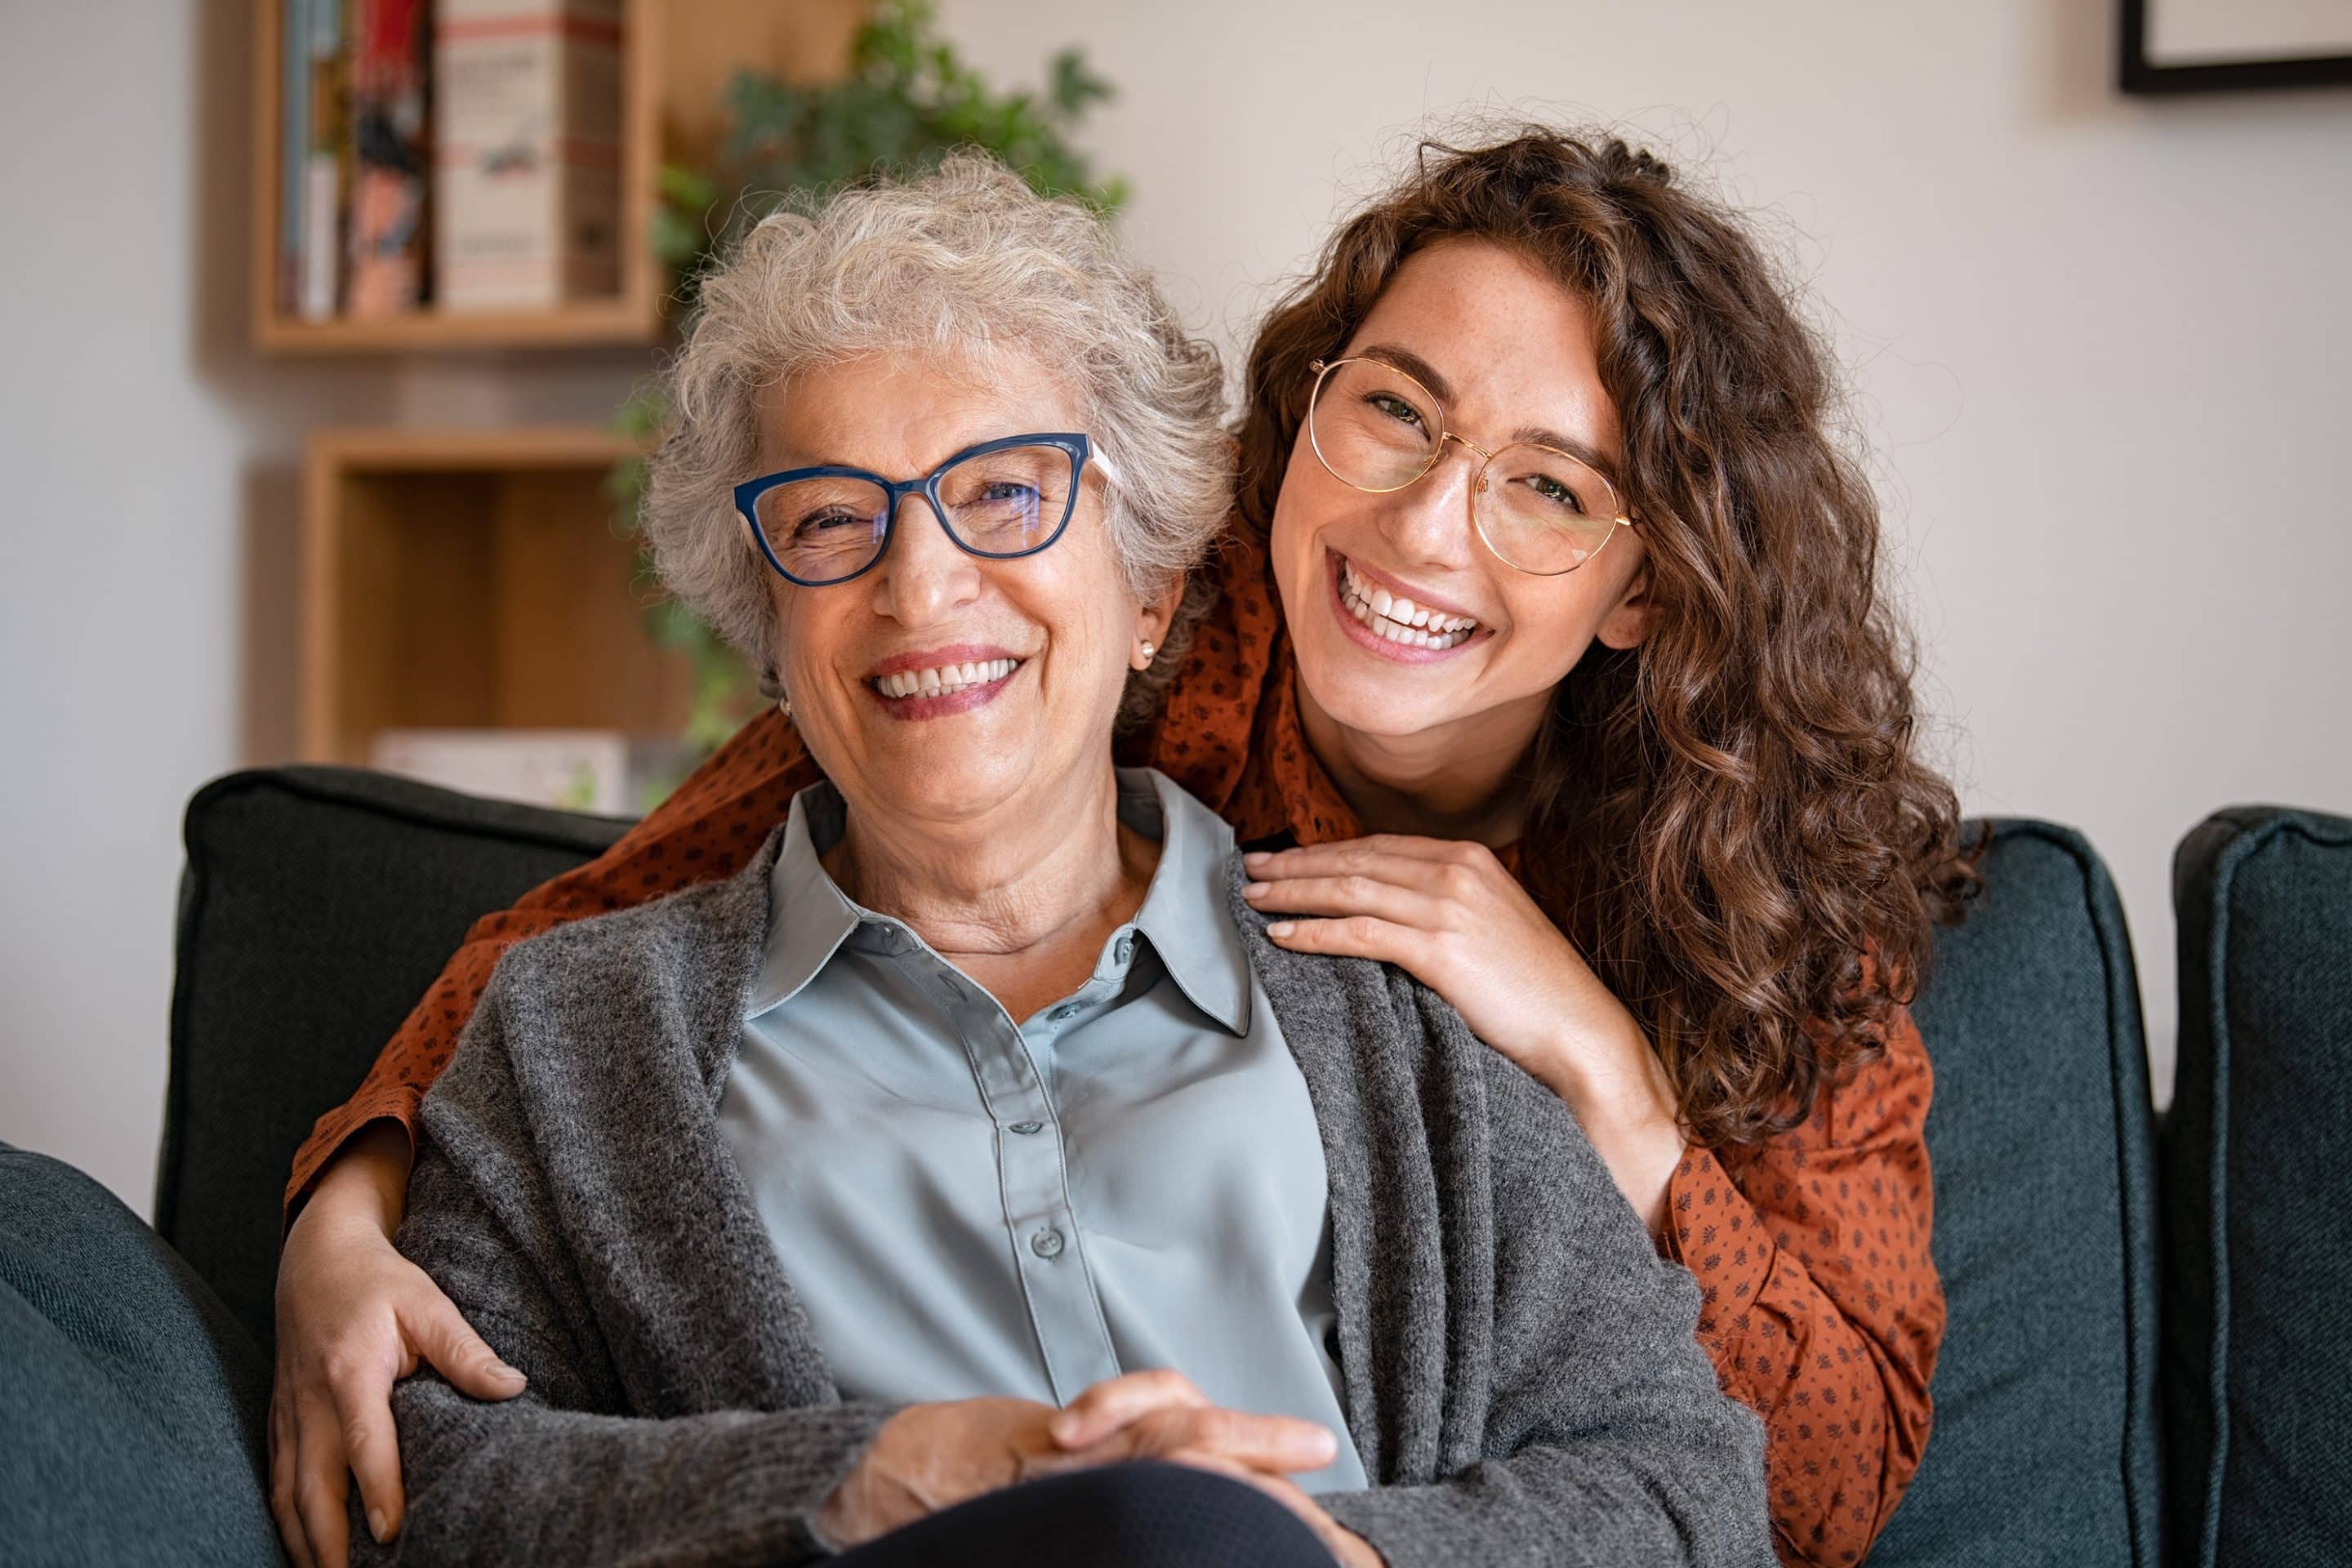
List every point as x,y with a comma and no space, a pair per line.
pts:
1065,618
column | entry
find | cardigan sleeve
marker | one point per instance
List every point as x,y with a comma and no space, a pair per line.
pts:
1607,1441
562,1473
1820,1302
708,827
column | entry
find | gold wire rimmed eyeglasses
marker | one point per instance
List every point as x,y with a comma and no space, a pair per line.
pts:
1540,510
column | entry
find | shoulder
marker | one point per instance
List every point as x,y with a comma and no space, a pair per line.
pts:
1882,1099
666,947
689,911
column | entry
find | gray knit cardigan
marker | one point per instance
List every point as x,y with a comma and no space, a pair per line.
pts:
1520,1374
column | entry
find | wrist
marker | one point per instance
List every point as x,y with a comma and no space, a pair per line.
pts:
366,1182
1609,1076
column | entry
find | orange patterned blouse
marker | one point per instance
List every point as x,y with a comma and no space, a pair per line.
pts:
1821,1305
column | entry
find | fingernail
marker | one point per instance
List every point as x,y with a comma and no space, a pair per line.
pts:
1064,1427
1279,929
502,1370
1256,858
1255,890
375,1525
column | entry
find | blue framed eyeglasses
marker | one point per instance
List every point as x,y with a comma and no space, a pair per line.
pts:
999,500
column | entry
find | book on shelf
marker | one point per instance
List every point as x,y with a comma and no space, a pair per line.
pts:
293,147
458,154
574,770
325,160
529,152
391,160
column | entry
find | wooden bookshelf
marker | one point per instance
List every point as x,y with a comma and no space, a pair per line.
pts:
462,578
677,57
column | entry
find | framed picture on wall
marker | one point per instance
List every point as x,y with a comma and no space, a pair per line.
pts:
2219,46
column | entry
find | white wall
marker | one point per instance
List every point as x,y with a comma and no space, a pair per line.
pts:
146,579
2099,344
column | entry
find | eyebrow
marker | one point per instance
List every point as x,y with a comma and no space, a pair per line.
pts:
1428,374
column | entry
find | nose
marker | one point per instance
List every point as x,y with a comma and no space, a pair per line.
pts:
1429,519
922,578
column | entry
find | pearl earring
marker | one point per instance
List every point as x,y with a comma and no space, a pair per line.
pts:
1151,651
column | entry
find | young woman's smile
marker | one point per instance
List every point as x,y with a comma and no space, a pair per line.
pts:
1394,619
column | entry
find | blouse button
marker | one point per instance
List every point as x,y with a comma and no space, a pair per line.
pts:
1024,1128
1046,1243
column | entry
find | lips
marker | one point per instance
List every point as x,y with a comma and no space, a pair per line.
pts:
1394,618
944,679
934,683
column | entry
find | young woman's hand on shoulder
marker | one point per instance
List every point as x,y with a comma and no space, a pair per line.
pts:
1448,913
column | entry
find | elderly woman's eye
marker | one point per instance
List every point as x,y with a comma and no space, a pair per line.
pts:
817,522
1007,492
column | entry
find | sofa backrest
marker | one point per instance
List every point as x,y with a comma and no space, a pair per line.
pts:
316,907
320,903
2257,1238
2044,1447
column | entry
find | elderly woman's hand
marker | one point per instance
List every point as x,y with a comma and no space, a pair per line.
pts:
1129,1417
1446,912
933,1457
353,1318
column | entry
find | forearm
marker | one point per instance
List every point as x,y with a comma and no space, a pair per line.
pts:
1613,1081
1835,1401
525,1482
1837,1364
1678,1486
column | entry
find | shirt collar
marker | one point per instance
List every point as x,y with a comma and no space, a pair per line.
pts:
809,917
1183,914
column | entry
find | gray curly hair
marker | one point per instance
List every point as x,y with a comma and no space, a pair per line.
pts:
965,261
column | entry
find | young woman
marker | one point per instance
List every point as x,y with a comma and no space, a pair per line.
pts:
1580,703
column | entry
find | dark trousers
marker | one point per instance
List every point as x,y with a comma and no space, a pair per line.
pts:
1122,1516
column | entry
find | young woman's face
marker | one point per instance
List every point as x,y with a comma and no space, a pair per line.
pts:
1510,356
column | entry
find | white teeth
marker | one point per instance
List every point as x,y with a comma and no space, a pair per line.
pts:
942,679
1400,620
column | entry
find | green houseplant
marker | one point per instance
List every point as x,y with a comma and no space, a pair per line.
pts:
907,101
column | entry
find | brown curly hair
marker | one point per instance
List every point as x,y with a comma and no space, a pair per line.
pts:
1729,820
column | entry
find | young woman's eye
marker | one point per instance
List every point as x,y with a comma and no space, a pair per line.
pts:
1396,409
1552,490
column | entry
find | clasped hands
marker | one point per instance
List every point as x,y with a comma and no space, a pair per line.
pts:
931,1457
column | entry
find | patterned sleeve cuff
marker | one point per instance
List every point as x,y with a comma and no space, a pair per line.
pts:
395,1103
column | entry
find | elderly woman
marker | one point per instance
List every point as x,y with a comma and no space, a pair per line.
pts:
890,1195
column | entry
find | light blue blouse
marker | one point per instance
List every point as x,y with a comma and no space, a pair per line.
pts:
1130,1178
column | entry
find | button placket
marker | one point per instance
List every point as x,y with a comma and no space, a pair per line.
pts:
1063,1311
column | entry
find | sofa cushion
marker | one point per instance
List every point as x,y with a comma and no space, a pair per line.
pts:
2044,1447
130,1402
2258,1236
317,906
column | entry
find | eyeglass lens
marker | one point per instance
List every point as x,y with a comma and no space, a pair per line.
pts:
1005,503
1380,429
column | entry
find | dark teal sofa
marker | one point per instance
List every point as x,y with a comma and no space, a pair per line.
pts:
318,903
